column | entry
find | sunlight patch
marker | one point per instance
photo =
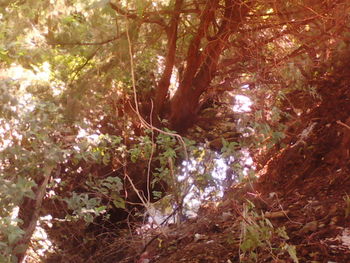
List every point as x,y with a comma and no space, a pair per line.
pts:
242,104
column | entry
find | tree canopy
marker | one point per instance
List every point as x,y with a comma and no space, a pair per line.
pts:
112,110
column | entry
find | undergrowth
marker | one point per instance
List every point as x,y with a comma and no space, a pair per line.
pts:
258,235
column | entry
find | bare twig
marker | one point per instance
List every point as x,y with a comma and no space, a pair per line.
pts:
145,17
88,59
88,43
343,124
36,212
145,202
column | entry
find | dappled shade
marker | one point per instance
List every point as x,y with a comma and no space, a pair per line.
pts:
131,129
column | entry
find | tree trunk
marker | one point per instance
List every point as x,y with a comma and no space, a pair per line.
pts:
164,83
201,65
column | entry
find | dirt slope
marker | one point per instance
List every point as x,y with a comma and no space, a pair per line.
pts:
303,188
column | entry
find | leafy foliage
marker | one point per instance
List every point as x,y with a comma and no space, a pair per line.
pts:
95,94
258,234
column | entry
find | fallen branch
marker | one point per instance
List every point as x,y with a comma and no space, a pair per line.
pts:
40,194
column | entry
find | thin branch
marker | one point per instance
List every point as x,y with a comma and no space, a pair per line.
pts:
40,194
267,26
80,68
343,124
136,110
88,43
159,21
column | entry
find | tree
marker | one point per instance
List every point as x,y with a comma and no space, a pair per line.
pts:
126,78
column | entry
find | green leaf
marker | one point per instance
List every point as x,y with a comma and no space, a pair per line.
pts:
119,202
106,159
281,231
14,235
157,194
292,252
100,209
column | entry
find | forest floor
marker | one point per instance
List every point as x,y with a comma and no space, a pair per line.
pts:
298,210
313,213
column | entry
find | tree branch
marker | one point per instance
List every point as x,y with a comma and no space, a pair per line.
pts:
89,43
198,75
193,54
163,84
144,18
40,194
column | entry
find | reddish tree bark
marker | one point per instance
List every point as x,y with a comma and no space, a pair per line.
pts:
163,84
201,65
